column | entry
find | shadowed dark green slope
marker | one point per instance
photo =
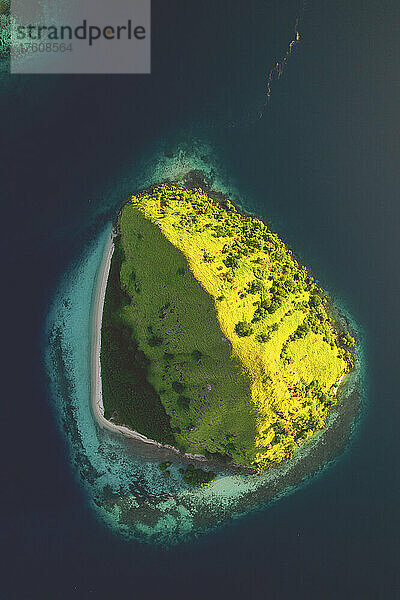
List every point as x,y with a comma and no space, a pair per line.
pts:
188,360
128,397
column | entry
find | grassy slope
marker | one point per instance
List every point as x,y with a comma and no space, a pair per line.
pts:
192,271
129,398
174,320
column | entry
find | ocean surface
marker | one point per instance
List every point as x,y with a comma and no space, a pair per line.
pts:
321,166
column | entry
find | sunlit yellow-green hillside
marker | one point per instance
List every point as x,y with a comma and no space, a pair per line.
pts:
233,334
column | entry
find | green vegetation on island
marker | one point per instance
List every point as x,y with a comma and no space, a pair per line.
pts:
214,339
127,395
197,477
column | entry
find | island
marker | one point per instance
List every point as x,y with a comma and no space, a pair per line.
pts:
212,338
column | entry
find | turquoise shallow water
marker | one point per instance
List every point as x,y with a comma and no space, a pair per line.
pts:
122,480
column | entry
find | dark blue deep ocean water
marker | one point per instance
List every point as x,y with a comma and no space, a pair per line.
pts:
322,165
